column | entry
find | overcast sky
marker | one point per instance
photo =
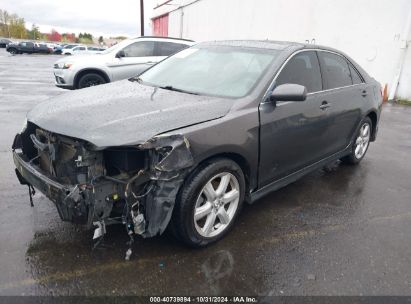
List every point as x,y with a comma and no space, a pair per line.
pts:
99,17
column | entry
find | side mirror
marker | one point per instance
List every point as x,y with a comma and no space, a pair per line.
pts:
120,54
289,92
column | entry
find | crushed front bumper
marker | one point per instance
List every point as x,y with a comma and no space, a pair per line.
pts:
169,161
72,205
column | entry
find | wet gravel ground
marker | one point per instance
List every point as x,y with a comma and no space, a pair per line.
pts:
345,232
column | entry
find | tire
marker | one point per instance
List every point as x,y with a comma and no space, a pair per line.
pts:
90,80
13,51
360,144
215,217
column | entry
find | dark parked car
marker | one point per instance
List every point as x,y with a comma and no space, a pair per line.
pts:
59,48
192,138
4,42
27,47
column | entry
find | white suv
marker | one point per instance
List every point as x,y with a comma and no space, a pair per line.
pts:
82,49
123,60
70,51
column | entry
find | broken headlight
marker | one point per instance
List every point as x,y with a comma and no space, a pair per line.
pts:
124,160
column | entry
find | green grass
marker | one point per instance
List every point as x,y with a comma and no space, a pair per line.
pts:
404,102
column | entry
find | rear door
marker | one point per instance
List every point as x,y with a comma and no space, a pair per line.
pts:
345,92
138,57
293,134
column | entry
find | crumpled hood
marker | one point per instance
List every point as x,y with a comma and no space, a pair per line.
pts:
124,113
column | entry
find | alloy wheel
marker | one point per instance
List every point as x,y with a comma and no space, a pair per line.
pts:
92,82
216,204
362,141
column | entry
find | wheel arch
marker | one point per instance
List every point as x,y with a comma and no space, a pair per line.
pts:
85,71
374,119
236,157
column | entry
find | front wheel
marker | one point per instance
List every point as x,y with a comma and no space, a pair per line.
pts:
90,80
13,51
209,203
361,143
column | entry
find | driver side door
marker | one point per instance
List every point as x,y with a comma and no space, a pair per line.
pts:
293,134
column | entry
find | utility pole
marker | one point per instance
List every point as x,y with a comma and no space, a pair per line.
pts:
142,17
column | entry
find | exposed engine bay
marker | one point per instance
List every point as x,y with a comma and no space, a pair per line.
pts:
133,185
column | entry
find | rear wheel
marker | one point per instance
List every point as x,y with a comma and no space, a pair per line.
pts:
209,203
361,143
90,80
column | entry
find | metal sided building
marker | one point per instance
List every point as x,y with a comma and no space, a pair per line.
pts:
376,33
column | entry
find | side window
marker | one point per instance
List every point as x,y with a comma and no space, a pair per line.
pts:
169,48
140,49
356,79
302,69
335,70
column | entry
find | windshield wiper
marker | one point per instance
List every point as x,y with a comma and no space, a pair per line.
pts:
171,88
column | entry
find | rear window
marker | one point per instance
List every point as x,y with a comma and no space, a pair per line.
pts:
356,78
336,71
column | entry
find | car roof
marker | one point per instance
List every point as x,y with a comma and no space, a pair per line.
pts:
268,44
170,39
263,44
287,46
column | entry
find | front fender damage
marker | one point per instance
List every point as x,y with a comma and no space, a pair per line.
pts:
134,185
170,158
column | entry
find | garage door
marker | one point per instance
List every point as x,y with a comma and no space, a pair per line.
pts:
160,26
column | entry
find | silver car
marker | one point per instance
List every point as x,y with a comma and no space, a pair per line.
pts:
123,60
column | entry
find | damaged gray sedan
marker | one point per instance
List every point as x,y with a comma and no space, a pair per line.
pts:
188,141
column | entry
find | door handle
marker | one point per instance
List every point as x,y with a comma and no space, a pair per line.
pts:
364,93
324,105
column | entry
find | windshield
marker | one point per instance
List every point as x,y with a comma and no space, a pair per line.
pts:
216,71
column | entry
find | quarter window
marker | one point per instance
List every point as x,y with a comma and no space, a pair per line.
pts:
335,70
169,48
302,69
356,79
140,49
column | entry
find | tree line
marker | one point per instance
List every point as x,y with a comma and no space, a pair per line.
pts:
13,26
